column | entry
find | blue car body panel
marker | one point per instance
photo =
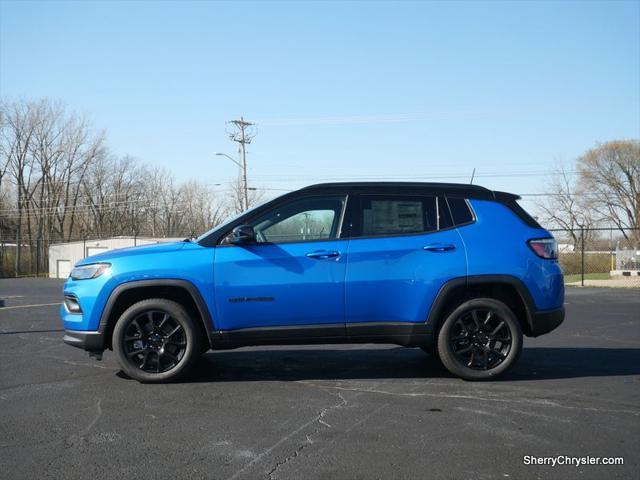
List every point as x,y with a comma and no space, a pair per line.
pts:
496,243
278,284
182,260
394,279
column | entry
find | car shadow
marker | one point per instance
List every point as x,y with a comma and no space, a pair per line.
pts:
539,363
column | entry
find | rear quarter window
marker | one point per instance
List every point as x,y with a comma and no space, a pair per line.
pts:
460,211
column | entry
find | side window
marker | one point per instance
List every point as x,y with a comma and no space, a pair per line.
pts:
460,211
397,215
304,220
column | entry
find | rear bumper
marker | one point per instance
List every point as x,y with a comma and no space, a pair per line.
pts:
545,321
90,341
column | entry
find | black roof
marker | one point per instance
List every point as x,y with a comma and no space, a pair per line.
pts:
456,189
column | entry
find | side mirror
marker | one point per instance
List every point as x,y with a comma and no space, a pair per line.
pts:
242,235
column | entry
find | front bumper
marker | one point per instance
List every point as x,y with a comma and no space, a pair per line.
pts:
90,341
545,321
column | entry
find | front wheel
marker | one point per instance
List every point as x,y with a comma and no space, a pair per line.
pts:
480,339
155,340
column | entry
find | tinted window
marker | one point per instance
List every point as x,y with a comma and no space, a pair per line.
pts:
460,211
308,219
394,215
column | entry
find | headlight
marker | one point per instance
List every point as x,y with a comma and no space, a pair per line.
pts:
84,272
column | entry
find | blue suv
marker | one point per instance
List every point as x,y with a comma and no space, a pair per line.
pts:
457,270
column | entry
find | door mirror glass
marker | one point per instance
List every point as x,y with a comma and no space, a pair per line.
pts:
242,235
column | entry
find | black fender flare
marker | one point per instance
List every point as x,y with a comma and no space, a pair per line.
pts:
437,308
192,290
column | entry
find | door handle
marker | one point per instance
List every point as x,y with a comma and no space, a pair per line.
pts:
323,254
439,247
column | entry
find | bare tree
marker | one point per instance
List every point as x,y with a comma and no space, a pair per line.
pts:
58,182
236,196
610,174
202,209
566,207
21,121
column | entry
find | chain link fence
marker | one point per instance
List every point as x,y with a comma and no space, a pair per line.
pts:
35,257
599,257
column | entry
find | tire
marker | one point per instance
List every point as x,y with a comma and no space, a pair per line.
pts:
480,340
155,340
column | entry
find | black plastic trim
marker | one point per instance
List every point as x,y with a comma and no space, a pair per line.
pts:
399,333
278,335
203,310
546,320
473,220
437,312
90,341
73,298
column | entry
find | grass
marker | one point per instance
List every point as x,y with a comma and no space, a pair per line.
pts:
587,276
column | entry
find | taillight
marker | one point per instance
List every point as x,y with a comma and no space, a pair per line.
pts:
544,247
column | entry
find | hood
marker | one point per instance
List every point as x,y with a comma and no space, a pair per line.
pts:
133,251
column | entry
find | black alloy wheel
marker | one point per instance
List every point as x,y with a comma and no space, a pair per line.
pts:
156,340
480,339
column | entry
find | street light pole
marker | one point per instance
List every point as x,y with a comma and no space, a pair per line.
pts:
242,135
243,166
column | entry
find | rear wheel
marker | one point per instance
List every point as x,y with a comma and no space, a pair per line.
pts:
480,339
156,340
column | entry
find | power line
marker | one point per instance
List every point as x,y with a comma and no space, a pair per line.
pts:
281,178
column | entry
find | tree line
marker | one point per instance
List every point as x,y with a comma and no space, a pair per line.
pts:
60,182
601,189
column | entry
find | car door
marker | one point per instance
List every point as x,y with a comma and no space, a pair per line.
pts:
402,253
293,275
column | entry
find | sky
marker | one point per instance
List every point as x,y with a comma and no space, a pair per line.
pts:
339,90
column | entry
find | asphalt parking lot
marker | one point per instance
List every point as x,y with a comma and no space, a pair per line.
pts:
344,412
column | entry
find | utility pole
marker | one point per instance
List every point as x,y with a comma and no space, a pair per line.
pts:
243,134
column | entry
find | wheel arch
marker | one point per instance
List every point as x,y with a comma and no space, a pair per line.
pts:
505,288
180,291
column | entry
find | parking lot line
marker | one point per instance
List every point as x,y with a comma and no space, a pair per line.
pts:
31,306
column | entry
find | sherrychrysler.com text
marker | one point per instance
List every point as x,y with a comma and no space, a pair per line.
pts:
575,461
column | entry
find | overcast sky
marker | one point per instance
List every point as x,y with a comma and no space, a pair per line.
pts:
411,90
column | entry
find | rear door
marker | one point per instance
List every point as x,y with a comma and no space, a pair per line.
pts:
402,251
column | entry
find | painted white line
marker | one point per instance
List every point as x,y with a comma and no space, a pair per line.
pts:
30,306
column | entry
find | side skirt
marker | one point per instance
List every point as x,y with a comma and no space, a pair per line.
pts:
405,334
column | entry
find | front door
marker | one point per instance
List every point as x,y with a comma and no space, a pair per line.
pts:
292,276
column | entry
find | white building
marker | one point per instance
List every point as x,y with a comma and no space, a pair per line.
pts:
63,256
